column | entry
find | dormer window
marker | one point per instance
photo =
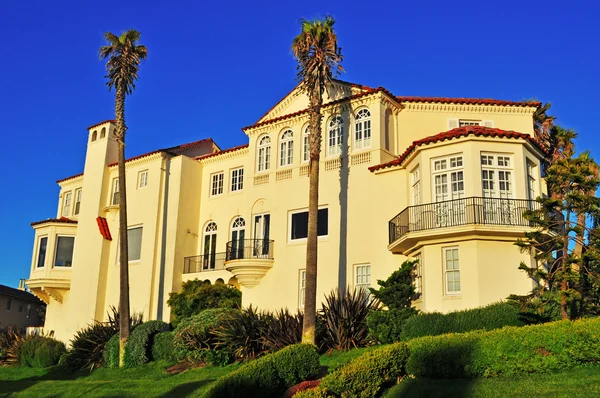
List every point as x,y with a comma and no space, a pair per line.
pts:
362,129
264,153
286,145
335,136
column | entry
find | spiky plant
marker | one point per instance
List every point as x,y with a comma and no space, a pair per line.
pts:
242,333
11,340
282,329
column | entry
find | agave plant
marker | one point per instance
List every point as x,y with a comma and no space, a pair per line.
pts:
282,329
11,340
344,316
242,333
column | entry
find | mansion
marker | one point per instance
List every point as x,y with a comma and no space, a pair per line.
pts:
444,180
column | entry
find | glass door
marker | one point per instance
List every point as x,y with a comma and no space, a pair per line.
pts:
262,226
238,234
210,247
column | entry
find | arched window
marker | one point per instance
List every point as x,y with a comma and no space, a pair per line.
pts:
336,132
238,234
305,146
362,129
210,246
286,146
94,135
103,132
264,153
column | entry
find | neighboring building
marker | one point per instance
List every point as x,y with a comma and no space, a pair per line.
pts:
440,179
20,308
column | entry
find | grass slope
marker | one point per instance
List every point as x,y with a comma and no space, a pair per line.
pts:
579,382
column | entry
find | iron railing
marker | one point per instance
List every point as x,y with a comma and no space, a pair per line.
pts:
205,262
249,249
457,212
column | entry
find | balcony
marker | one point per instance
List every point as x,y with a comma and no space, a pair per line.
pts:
466,216
249,260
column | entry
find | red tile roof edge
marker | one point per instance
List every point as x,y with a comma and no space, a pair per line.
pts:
103,227
233,149
98,124
470,101
457,133
63,220
69,178
368,91
171,149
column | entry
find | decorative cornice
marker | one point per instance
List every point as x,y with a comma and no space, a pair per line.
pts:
436,107
146,158
225,155
70,179
62,220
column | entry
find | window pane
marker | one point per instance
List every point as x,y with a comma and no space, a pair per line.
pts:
42,252
299,228
134,243
64,251
322,222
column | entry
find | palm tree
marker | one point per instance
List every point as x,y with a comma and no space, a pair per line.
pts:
542,125
319,58
124,55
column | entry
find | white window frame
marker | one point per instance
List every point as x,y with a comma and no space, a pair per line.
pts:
142,179
335,136
531,168
114,195
416,186
362,129
453,271
301,288
286,148
263,158
217,183
365,282
305,145
236,177
77,203
418,276
305,210
501,187
141,226
67,204
54,266
37,252
452,168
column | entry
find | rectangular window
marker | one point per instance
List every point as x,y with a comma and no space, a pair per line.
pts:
28,311
64,251
67,204
531,181
463,123
416,186
134,243
363,277
301,288
43,246
418,276
143,179
217,184
8,304
237,180
114,198
21,308
77,202
299,224
496,176
305,147
448,179
451,270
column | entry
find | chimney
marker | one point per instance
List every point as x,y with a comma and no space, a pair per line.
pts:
22,284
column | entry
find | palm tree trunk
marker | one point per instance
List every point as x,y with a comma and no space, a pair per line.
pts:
564,285
123,248
310,296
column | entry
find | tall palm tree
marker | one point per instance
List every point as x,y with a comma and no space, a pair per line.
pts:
124,56
319,58
542,125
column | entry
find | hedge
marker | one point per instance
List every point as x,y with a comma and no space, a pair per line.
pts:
138,349
110,355
270,375
508,351
493,316
162,347
41,352
364,376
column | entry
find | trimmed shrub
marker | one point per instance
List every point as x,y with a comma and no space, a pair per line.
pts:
138,350
508,351
111,352
386,326
344,317
270,375
197,296
242,332
162,347
41,352
317,392
493,316
367,375
195,337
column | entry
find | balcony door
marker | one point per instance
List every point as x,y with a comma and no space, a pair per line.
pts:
497,186
448,188
262,227
210,247
238,234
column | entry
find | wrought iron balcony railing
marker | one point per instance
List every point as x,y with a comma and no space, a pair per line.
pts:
457,212
205,262
249,249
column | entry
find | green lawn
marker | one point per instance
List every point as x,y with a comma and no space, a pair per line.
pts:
580,382
146,381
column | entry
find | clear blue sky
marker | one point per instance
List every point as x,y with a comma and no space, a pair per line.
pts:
214,67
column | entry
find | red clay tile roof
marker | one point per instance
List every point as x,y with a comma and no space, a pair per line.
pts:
478,131
98,124
63,220
469,101
103,227
69,178
233,149
368,91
